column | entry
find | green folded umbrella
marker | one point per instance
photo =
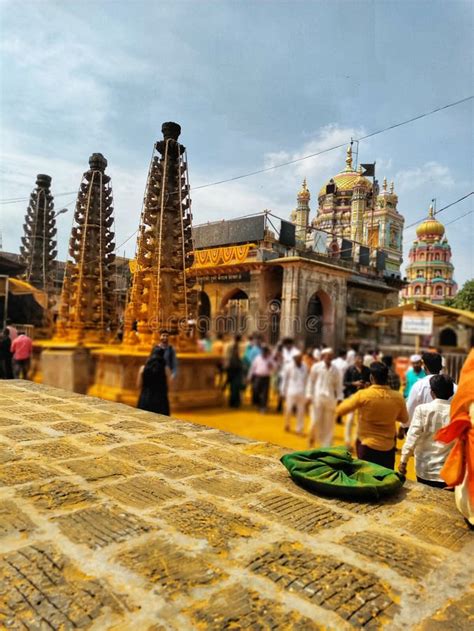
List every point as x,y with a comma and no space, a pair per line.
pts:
336,473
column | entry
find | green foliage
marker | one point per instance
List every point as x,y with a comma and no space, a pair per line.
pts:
464,299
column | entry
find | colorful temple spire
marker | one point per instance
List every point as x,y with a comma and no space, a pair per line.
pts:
87,310
300,216
38,249
161,295
430,271
352,207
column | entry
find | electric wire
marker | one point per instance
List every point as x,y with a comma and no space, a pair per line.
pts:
295,160
344,144
436,212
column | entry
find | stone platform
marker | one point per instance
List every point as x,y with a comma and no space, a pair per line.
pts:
114,518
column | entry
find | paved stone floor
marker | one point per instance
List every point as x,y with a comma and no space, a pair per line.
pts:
250,423
113,518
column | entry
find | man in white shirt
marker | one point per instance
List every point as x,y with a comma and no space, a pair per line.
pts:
285,358
259,375
421,390
428,418
324,390
294,380
342,365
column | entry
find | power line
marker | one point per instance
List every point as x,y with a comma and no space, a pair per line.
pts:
289,162
441,209
318,153
460,217
17,200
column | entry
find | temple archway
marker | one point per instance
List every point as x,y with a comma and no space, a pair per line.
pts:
448,337
204,313
274,309
234,311
318,319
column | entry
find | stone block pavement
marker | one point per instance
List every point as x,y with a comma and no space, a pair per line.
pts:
114,518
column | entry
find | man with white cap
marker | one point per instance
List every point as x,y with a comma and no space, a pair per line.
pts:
324,390
413,374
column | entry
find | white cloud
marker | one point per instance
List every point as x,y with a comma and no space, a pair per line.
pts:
431,174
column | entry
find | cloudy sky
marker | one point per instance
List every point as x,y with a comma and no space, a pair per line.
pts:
253,83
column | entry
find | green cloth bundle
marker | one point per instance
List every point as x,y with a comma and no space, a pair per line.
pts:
334,472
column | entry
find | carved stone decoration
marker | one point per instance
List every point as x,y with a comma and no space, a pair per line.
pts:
38,249
161,295
87,311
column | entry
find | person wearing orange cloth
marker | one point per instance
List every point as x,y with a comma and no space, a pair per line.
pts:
458,470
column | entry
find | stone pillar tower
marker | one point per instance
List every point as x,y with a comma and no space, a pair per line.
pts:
161,295
87,309
300,216
38,249
358,208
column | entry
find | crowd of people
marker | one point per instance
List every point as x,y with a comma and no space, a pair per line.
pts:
362,390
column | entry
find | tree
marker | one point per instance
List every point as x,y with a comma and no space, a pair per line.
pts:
464,299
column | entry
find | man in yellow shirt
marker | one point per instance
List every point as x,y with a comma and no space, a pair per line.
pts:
380,408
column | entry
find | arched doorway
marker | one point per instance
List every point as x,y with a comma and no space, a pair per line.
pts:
318,320
274,309
234,309
204,314
448,337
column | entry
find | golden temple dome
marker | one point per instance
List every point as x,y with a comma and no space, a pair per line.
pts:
430,227
304,194
345,180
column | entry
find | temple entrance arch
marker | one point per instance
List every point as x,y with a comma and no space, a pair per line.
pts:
204,314
448,337
274,309
318,320
234,312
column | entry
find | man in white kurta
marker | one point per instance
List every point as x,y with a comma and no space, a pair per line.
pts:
294,378
324,390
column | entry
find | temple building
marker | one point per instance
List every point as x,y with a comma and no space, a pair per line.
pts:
352,207
253,277
430,271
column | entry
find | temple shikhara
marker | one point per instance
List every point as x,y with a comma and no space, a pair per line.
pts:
352,207
430,271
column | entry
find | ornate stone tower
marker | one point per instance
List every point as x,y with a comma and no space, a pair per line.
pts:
359,207
87,309
430,271
38,249
336,207
350,206
384,227
161,295
300,216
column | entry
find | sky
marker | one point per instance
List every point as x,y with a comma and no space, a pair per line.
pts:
252,83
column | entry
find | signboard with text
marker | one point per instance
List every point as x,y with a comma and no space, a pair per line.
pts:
417,322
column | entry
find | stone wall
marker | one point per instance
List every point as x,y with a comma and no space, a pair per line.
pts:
114,518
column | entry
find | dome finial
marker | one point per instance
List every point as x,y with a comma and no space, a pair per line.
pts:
431,211
304,192
349,158
385,184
